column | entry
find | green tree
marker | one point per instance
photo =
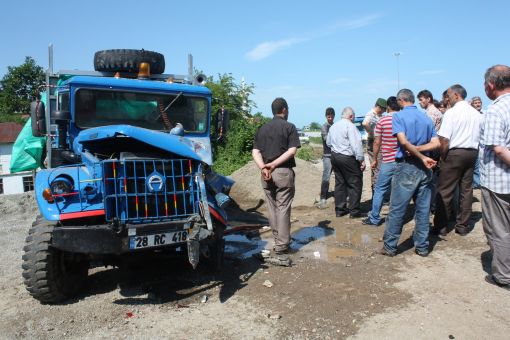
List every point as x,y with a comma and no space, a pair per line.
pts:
235,151
315,126
20,85
234,97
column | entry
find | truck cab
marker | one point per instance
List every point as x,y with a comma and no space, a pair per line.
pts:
128,171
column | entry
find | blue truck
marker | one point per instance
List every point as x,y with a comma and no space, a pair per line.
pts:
127,171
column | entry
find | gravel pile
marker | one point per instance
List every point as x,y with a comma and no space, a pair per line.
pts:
308,181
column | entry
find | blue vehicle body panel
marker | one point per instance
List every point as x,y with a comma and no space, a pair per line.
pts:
192,146
135,84
186,147
78,173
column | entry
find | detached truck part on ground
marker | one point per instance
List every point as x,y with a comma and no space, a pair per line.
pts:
128,156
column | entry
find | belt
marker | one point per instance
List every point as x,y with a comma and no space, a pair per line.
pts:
467,149
341,154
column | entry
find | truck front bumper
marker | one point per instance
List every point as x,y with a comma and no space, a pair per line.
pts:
105,239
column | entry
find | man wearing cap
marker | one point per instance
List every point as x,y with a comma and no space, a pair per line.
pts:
369,123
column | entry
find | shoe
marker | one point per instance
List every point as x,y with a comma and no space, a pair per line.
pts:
384,252
280,260
438,231
490,279
341,213
322,204
421,253
461,230
357,215
282,252
367,221
287,251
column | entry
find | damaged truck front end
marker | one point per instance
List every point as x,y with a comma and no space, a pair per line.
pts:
129,172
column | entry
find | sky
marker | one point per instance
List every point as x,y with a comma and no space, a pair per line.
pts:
315,54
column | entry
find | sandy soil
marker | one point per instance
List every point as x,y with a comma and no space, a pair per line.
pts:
336,288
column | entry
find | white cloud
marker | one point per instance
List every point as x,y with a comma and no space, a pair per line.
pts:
346,25
265,49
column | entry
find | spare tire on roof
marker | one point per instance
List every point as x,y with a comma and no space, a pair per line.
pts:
128,61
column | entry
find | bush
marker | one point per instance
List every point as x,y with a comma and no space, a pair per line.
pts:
316,140
236,152
305,152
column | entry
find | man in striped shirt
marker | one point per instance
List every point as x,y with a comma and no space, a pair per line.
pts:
385,143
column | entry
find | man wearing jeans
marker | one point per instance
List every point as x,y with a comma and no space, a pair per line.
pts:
326,158
386,144
412,178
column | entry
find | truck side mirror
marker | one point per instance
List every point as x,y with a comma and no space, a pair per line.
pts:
222,124
38,116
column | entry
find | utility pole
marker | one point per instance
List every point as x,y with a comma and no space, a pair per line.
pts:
397,55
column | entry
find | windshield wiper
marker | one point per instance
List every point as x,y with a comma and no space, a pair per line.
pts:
172,102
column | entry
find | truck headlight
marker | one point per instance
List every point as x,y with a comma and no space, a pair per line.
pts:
89,192
61,186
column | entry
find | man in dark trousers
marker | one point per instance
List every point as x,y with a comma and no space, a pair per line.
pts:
459,136
274,147
348,163
326,158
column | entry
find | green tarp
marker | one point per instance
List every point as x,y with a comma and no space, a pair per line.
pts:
27,151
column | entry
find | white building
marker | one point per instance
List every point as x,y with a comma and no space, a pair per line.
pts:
12,183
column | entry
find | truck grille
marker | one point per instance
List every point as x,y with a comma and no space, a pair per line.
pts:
141,191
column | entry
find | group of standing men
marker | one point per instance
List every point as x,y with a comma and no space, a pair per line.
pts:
413,156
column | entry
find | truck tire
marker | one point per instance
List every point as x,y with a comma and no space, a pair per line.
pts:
51,275
128,61
213,261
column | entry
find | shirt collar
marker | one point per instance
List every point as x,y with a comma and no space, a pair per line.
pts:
500,97
278,117
410,107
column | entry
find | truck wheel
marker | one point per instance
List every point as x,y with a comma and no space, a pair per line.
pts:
215,249
51,275
128,61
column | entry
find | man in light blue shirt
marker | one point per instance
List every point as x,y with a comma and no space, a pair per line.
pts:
348,162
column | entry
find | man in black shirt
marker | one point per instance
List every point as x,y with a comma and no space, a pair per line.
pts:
274,147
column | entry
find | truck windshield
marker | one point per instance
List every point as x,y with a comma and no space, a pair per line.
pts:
95,108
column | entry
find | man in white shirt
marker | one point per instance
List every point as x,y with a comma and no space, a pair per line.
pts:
348,162
459,136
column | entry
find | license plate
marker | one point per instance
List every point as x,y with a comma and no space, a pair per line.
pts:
156,240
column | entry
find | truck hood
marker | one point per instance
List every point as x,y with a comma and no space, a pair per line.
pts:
197,148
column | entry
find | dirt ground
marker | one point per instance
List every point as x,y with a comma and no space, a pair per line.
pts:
336,288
